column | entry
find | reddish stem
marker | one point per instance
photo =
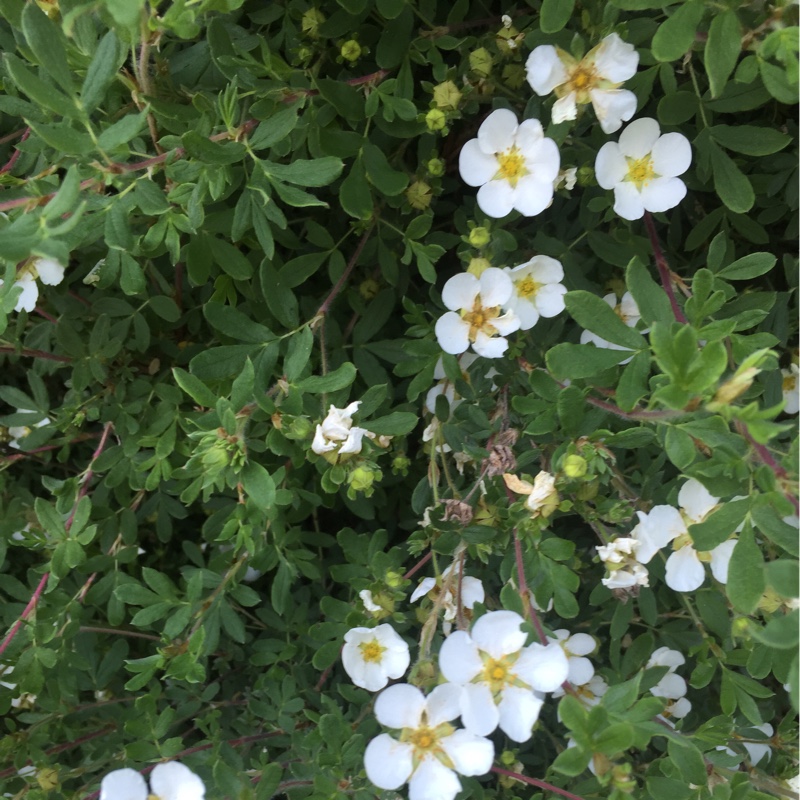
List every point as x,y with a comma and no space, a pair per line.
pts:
28,609
26,351
9,137
48,317
663,267
524,593
536,782
421,563
326,303
9,165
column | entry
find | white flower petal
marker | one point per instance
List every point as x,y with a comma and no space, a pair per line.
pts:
696,501
506,323
175,781
30,294
672,155
475,166
444,704
543,269
459,659
543,161
452,333
525,312
581,671
549,300
565,109
666,657
460,291
479,714
615,59
498,633
530,137
720,558
388,762
545,70
628,201
471,592
123,784
671,686
581,644
432,780
50,272
425,585
680,708
496,199
656,530
532,195
610,166
637,140
662,194
495,287
489,346
519,710
400,706
496,133
470,754
613,107
684,571
543,668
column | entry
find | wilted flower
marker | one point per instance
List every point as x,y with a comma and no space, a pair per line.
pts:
476,315
429,751
542,495
642,169
514,165
594,79
373,655
336,432
170,781
624,571
538,291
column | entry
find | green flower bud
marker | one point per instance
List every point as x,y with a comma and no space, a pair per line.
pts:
419,195
508,758
586,176
575,466
299,428
436,120
394,579
47,778
622,779
479,237
423,674
480,62
400,464
350,50
362,478
447,96
311,21
435,167
368,288
477,266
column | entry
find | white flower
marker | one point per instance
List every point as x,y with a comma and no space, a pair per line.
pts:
49,272
513,163
336,432
475,316
624,571
576,646
672,686
595,79
443,384
429,751
642,169
373,655
665,524
500,676
542,495
170,781
471,592
791,390
627,311
538,290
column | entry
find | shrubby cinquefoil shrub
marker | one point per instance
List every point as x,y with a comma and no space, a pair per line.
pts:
398,397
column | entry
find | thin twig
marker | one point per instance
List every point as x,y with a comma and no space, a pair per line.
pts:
27,351
536,782
9,165
28,610
663,267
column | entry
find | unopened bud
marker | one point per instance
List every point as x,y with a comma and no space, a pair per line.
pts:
575,466
419,195
423,674
447,96
311,21
393,579
480,62
477,266
47,778
436,120
368,288
400,464
299,428
362,478
350,50
435,167
585,176
479,237
622,778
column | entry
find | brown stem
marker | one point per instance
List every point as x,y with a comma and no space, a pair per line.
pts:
522,586
26,351
48,317
663,267
9,137
28,609
536,782
326,303
9,165
117,632
421,563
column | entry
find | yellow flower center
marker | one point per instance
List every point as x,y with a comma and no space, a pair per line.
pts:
153,797
512,166
423,738
527,287
496,672
789,383
583,78
640,171
479,319
372,650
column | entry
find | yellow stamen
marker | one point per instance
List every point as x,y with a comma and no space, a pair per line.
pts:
479,319
424,738
496,673
583,78
789,383
371,651
640,171
527,287
512,166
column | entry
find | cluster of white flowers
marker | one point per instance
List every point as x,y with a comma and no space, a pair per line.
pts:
170,781
337,436
49,272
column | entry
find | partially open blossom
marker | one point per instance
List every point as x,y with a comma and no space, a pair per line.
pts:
642,169
542,498
589,694
429,753
371,656
337,433
624,571
791,389
170,781
672,686
49,272
538,291
513,163
476,315
594,79
500,676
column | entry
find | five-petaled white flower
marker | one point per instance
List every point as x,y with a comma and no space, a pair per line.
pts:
49,272
594,79
672,686
336,432
170,781
476,315
513,163
665,524
576,647
791,389
538,291
429,751
500,676
643,168
373,655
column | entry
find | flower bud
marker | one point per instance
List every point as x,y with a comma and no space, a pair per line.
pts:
311,21
361,480
400,464
508,758
393,579
47,778
447,96
299,428
368,288
480,62
585,176
575,466
435,120
477,266
350,50
435,167
479,237
622,779
423,674
419,195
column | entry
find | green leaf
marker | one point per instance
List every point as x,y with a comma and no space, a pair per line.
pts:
594,314
232,322
572,714
281,589
614,739
746,581
398,423
122,131
203,149
131,277
258,485
722,49
221,362
750,266
688,759
347,101
751,140
777,82
651,298
633,381
195,388
332,382
66,198
47,44
781,632
126,13
354,194
622,696
63,138
230,259
306,172
298,353
769,522
383,177
555,15
782,576
49,518
40,92
274,130
575,361
571,761
730,183
101,72
676,35
719,525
